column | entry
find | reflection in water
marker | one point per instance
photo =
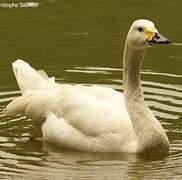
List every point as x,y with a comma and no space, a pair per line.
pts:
177,44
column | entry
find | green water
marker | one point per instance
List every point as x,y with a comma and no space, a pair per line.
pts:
82,42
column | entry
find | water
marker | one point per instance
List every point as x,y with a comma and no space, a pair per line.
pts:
80,42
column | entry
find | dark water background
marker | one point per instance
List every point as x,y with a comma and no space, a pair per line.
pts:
81,42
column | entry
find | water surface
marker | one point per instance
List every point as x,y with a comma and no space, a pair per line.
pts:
81,42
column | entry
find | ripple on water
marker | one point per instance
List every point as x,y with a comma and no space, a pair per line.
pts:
22,158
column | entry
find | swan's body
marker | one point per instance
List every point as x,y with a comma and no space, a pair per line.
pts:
94,118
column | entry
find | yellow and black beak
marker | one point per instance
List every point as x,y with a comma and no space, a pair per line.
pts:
154,37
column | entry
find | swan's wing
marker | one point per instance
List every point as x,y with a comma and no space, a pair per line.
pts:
107,95
80,108
65,135
89,114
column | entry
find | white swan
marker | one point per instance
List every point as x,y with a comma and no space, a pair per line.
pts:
94,118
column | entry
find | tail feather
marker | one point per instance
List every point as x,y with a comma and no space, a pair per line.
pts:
43,74
37,91
34,105
28,78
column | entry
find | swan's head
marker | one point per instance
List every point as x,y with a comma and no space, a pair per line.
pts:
143,34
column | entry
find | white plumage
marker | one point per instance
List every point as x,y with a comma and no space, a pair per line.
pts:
90,118
78,117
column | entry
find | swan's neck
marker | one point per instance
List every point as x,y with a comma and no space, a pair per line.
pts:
151,137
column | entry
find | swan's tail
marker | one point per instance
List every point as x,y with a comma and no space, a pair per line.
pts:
28,78
36,88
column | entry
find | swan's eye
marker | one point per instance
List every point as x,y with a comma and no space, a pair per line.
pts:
140,29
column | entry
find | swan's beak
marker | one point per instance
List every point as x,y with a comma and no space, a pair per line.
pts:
159,39
154,37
